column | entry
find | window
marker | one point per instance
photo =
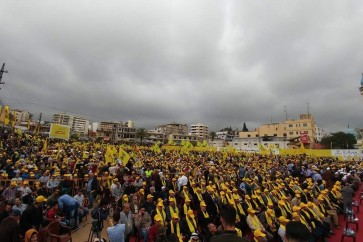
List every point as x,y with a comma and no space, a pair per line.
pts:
291,133
249,135
275,135
254,143
297,132
265,135
235,143
245,144
284,134
265,144
305,125
257,135
290,125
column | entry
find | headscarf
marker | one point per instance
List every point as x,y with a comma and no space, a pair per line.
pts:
29,234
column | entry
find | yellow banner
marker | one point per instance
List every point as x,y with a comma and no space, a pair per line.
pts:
58,131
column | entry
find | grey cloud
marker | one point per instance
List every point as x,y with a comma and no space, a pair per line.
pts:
220,63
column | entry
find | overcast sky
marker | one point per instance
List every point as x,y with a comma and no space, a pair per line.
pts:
220,63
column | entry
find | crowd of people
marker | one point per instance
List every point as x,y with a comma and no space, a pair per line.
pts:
169,195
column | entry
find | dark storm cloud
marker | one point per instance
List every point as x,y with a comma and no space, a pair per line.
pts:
220,63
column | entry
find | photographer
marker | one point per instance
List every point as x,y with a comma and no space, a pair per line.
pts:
99,214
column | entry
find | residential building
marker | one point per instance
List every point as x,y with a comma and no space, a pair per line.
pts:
124,132
319,133
63,118
299,130
177,138
20,115
224,135
173,128
199,130
254,143
78,124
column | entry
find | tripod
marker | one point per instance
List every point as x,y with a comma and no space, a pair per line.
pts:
95,231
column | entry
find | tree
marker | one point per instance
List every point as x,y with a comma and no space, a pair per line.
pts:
339,140
212,135
244,129
141,133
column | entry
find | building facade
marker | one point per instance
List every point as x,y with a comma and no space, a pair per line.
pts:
299,130
319,133
173,128
63,119
78,124
199,130
224,135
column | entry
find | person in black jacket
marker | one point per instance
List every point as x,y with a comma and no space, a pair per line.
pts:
32,217
209,200
228,220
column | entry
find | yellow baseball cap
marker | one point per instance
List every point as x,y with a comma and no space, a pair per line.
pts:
190,213
257,233
157,217
40,199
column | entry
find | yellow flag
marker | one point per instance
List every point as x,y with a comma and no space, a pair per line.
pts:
205,143
28,123
59,151
7,115
45,145
123,155
156,148
109,155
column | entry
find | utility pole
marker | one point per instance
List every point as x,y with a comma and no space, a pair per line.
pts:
40,117
285,110
1,74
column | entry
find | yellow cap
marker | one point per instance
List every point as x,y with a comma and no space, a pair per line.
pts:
202,203
257,233
40,199
282,219
190,213
149,196
251,210
157,217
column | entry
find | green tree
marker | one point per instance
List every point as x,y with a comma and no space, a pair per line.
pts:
339,140
141,133
244,129
212,135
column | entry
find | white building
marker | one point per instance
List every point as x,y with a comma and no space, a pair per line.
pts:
319,133
63,118
78,124
21,115
199,130
95,126
130,124
254,143
224,135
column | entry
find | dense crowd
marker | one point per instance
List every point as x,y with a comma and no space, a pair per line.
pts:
167,195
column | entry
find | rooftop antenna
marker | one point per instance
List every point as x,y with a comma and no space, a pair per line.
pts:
308,107
1,74
285,110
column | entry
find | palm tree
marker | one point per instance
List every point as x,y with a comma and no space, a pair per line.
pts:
141,133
